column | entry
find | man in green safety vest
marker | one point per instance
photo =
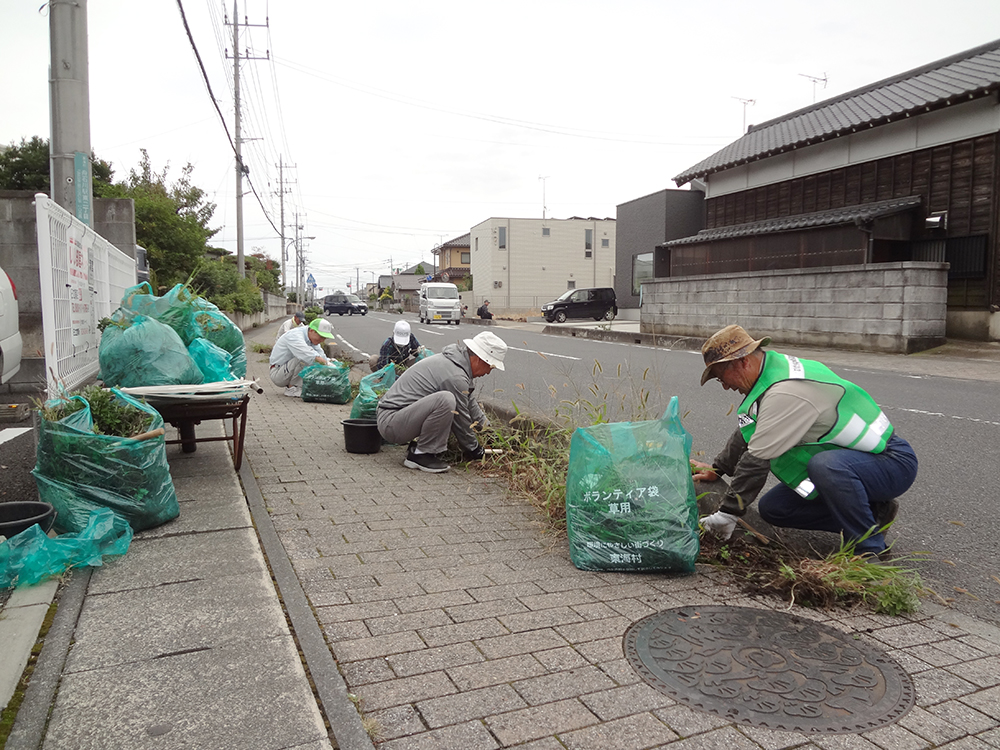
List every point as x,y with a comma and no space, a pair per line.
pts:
840,462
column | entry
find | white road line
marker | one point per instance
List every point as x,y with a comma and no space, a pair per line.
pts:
941,414
9,433
545,354
428,330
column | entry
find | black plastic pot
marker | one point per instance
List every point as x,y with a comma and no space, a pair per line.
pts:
21,515
361,436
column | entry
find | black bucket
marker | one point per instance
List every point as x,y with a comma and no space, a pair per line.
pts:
20,515
361,436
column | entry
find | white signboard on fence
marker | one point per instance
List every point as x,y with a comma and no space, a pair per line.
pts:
82,280
83,327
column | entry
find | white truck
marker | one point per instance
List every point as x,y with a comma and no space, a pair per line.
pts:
440,302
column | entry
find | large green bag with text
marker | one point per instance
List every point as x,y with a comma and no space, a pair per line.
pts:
630,500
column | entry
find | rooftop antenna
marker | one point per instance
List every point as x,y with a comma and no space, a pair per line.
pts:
745,102
543,179
815,80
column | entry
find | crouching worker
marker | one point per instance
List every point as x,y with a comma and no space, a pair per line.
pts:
295,351
839,460
434,398
401,348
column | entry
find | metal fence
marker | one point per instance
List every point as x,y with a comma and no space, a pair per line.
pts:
83,279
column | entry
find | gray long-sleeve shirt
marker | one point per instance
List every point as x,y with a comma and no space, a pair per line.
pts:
448,371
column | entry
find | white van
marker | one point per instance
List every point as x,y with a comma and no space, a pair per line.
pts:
440,302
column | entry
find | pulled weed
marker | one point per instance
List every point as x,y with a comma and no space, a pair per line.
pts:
841,579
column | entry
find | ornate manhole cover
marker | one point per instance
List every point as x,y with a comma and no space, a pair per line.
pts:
768,669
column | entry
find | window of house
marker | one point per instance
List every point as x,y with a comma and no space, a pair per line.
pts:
642,270
502,237
605,242
477,244
466,257
588,253
571,285
588,239
545,231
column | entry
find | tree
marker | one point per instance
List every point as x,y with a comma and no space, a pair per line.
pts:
419,271
171,221
26,167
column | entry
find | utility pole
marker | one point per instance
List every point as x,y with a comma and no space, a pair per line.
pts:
241,169
281,200
298,294
69,105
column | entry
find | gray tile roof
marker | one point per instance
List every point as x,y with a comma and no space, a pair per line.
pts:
964,76
831,217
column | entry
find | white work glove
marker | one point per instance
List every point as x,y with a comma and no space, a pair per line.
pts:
720,523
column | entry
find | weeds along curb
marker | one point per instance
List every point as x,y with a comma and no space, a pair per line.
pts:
33,717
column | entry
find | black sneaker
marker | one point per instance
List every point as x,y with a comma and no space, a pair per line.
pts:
425,462
885,513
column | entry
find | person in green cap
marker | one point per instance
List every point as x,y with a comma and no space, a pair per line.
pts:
295,351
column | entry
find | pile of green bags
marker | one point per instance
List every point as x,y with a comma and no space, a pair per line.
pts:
177,339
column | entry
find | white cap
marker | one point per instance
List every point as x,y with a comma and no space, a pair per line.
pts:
488,347
401,333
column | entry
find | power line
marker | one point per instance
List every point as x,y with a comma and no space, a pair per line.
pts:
232,144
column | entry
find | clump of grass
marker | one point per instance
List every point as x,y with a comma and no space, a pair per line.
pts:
111,416
841,579
533,462
259,348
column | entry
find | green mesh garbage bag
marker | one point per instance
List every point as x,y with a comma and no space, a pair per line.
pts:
176,308
142,351
371,390
213,361
212,324
328,384
424,353
630,500
32,557
78,470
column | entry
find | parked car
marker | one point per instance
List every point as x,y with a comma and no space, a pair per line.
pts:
341,303
10,331
598,303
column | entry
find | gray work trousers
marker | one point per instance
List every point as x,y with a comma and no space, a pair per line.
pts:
428,420
288,373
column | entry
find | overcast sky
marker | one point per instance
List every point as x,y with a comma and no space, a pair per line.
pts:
405,124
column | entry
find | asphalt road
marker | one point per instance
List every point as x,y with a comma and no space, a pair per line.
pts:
948,408
17,458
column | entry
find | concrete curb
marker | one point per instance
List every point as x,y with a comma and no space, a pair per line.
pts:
29,726
345,722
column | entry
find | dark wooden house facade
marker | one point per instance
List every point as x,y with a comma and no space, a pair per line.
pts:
906,169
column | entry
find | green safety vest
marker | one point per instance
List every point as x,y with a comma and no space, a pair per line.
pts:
861,424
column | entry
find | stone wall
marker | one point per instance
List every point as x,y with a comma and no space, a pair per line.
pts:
884,307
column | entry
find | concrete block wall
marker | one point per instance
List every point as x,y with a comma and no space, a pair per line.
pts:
885,307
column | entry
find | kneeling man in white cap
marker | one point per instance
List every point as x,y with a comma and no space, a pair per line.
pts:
401,348
434,398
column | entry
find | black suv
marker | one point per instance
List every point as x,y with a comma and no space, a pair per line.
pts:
341,303
598,303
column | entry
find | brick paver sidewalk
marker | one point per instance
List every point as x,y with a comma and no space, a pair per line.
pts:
460,622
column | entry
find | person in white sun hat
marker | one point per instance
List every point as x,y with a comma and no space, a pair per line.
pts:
434,397
401,348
